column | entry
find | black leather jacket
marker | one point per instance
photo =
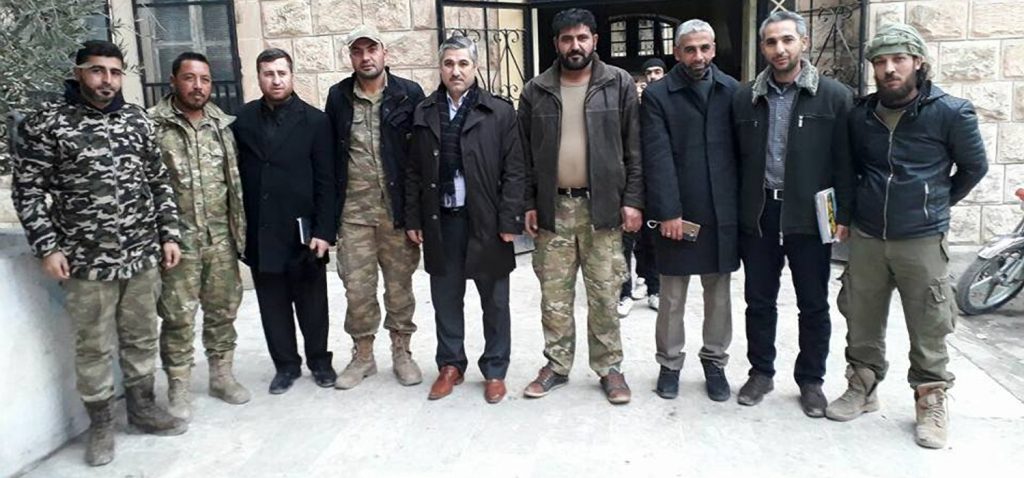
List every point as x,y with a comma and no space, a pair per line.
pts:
904,187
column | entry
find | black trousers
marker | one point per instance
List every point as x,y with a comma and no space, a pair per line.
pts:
448,292
282,300
763,259
641,245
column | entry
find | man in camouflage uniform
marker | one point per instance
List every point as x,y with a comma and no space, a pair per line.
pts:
371,117
199,152
581,137
95,202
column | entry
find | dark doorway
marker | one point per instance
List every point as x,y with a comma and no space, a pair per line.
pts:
630,33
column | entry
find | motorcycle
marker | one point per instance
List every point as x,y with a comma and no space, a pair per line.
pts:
996,275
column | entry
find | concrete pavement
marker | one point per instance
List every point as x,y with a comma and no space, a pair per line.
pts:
384,429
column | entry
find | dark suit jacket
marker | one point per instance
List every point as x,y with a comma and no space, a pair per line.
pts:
287,177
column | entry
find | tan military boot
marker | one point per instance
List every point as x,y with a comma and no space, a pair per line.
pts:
860,397
179,399
932,415
146,415
222,382
362,365
405,368
100,449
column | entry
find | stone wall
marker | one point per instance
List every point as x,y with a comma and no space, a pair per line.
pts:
977,52
314,32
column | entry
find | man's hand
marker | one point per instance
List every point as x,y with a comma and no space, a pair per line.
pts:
672,229
842,233
415,235
508,237
319,246
531,222
631,219
55,265
172,255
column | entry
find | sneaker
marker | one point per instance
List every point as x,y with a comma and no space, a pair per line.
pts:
546,381
653,301
668,383
755,389
639,289
625,305
615,388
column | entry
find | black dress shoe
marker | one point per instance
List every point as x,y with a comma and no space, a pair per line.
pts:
282,382
325,378
757,386
668,383
717,384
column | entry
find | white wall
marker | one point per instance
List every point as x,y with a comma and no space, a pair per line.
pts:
41,409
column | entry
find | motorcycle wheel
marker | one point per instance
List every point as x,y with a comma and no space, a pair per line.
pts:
984,286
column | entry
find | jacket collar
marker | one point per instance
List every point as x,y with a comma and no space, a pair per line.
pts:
551,79
73,95
165,111
391,87
929,93
676,78
485,104
807,80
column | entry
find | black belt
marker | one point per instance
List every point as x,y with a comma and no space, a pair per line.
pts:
575,192
453,211
775,194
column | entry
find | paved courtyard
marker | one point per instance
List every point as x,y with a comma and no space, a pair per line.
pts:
384,429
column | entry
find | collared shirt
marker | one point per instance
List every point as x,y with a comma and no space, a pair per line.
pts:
203,206
366,200
459,198
780,108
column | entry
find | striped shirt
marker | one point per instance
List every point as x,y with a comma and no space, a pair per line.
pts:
780,107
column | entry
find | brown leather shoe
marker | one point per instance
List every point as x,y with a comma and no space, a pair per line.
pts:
615,388
494,390
448,378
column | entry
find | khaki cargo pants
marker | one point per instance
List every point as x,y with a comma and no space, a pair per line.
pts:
113,314
918,269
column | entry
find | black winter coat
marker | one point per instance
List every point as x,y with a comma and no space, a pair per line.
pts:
690,171
290,177
817,151
400,99
905,188
492,159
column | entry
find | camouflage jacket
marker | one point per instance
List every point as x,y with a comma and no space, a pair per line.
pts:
188,164
90,184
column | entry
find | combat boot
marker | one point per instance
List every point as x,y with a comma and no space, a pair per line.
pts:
100,448
222,382
179,399
861,396
362,365
405,368
146,415
932,416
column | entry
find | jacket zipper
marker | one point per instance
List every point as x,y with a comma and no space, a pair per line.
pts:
888,181
926,215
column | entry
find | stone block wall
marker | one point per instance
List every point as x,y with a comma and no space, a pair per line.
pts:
314,31
977,52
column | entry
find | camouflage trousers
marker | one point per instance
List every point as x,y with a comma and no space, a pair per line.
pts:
361,249
575,244
113,314
208,278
